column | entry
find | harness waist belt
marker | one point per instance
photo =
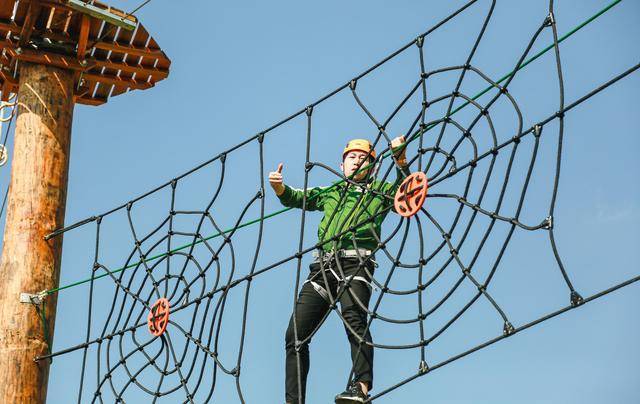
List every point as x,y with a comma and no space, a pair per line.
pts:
360,252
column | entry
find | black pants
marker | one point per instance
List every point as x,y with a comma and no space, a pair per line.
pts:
311,307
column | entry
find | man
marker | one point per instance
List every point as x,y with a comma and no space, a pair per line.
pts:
344,264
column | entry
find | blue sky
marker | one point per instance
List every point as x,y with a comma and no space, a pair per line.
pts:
237,68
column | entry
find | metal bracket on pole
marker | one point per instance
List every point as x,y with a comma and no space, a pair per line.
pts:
102,14
33,298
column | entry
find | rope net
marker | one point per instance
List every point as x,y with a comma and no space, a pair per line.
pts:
203,253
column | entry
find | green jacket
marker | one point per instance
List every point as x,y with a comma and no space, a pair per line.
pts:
327,199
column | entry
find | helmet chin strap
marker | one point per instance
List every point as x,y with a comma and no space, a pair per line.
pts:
376,168
374,172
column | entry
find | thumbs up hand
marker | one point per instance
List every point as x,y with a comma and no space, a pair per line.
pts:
398,146
275,180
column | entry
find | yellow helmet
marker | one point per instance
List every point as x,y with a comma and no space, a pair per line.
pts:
359,144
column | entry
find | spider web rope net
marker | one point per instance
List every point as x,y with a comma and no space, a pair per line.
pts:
204,260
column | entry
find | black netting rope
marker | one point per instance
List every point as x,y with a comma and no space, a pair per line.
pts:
187,356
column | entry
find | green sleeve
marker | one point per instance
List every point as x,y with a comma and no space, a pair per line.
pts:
293,198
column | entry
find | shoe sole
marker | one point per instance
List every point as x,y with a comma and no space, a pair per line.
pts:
347,401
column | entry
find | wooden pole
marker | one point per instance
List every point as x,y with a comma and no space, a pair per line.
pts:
37,197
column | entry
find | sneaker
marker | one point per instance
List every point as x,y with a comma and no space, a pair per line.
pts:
353,394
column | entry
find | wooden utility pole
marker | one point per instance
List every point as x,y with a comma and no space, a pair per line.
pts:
56,53
37,200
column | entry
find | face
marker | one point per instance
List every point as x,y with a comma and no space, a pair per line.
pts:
352,162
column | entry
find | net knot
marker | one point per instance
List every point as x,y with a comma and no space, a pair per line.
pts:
508,329
537,130
549,20
576,299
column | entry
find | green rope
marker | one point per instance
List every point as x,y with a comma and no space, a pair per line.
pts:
276,213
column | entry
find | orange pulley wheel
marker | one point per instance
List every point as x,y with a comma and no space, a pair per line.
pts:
158,317
411,194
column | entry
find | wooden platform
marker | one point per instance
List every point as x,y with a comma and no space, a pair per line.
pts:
108,60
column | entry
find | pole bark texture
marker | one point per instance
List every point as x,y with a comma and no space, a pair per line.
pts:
37,197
